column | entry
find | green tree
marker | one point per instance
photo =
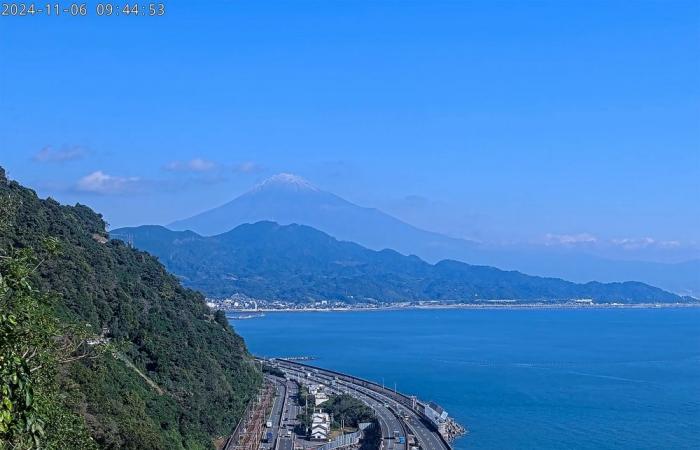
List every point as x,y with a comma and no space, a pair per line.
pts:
33,344
181,377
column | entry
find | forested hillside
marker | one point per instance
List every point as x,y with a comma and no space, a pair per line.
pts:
299,263
157,369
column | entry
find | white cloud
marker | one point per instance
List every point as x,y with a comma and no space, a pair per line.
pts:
570,239
628,244
193,165
669,244
645,242
49,154
633,243
200,165
99,182
248,167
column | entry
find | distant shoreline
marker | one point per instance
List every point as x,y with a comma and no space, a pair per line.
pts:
495,306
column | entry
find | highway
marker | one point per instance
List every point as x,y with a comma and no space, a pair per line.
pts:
291,409
424,432
428,438
383,401
283,415
276,414
387,420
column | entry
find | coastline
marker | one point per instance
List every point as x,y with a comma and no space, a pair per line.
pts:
476,307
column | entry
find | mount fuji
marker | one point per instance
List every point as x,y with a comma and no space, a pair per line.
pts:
288,199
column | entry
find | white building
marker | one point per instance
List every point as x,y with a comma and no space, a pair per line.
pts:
320,426
320,397
437,415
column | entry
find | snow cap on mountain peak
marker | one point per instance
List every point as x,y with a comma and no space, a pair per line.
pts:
285,181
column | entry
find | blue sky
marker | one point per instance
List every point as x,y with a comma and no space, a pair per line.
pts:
550,122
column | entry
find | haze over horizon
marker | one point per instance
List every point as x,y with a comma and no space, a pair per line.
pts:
468,224
545,125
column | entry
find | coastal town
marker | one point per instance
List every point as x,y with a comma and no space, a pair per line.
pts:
243,304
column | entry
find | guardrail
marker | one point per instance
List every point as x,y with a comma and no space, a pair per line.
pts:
343,440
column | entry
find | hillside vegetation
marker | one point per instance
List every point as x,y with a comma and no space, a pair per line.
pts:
171,374
299,263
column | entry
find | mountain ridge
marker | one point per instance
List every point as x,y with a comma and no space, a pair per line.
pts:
287,199
295,262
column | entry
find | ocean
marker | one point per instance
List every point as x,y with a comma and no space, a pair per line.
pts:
518,379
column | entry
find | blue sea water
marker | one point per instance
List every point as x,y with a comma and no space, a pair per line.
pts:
520,379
